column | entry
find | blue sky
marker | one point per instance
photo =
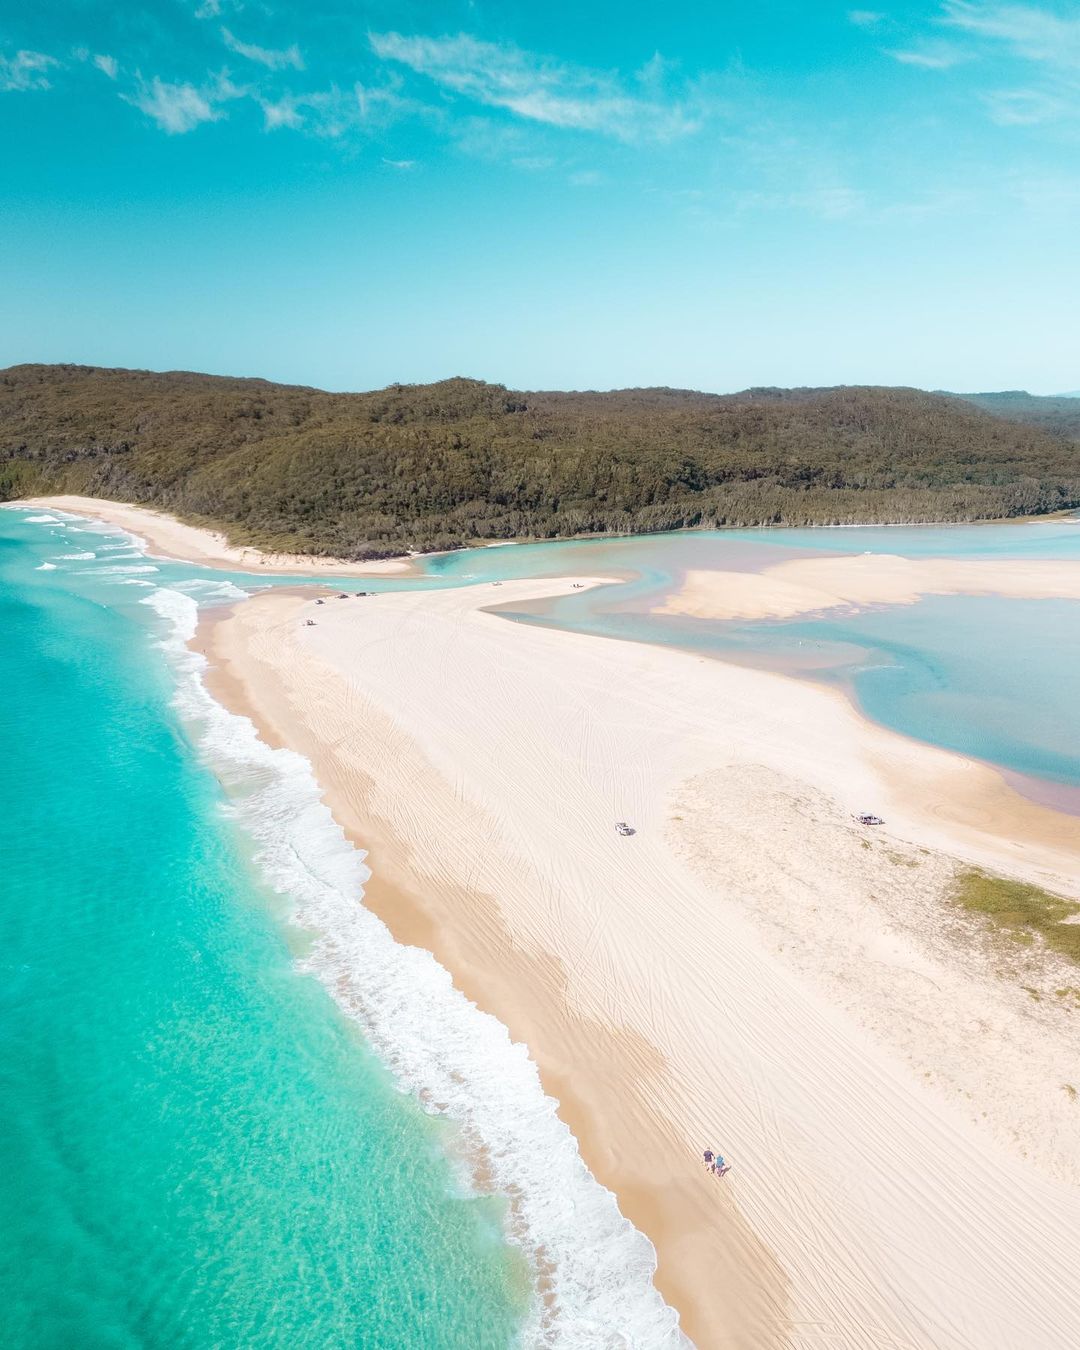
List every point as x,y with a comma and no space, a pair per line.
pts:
549,195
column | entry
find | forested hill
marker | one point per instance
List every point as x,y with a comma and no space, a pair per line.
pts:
436,466
1059,414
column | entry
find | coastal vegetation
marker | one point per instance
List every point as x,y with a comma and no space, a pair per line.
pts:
1022,911
442,465
1060,414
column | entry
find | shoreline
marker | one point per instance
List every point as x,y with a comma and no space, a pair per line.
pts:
528,978
165,536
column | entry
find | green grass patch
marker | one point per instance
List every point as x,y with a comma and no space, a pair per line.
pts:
1021,910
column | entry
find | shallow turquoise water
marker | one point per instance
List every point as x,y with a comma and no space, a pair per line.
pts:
998,679
198,1148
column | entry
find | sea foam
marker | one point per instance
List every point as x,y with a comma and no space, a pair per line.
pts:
594,1270
118,571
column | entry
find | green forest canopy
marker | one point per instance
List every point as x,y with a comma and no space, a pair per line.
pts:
442,465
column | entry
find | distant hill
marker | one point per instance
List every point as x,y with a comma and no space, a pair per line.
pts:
1058,413
440,465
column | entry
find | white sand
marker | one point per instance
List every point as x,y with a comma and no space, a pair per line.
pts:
168,537
742,972
805,585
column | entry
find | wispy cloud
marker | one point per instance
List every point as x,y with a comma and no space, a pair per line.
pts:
826,203
865,18
402,165
333,112
282,112
1032,33
932,56
108,65
1033,51
273,59
542,90
1048,45
1027,107
25,70
178,108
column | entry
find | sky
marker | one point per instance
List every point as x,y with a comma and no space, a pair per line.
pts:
558,195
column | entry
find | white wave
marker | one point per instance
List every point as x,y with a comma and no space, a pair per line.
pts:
116,571
74,557
42,520
206,590
134,581
46,567
456,1060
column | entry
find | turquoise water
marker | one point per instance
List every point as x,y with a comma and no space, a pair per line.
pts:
198,1148
992,678
998,679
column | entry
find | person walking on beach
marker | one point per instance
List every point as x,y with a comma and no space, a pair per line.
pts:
716,1163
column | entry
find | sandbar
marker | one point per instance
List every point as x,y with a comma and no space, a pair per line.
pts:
809,585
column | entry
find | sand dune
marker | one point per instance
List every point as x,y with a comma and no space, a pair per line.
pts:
171,538
749,970
806,585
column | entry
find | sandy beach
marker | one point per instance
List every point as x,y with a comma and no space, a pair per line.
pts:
807,585
749,971
167,537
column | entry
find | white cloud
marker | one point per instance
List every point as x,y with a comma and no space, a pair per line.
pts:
932,56
1026,107
827,203
282,113
1032,33
264,56
209,9
25,70
403,164
108,65
865,18
541,90
178,108
332,112
586,178
1048,42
